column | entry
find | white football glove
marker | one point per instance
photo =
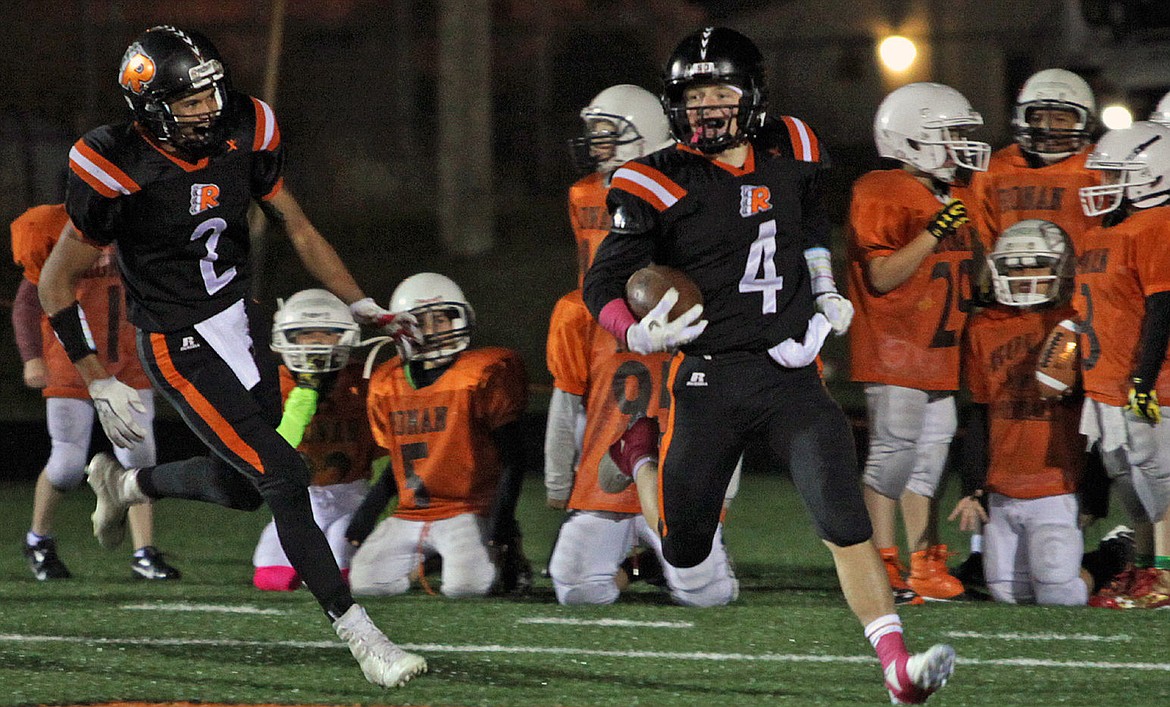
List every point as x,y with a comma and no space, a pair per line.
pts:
115,402
837,309
654,333
402,326
791,354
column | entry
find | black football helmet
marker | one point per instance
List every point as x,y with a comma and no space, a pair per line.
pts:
164,64
715,55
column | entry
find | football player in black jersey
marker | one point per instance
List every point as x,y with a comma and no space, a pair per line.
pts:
735,205
171,188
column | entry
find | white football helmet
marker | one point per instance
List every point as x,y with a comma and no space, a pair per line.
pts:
621,123
1054,89
307,311
1030,244
1161,114
426,293
1135,169
925,125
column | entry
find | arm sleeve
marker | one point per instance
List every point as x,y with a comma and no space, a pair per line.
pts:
299,408
1094,487
1155,336
561,448
815,226
503,528
366,516
973,456
26,321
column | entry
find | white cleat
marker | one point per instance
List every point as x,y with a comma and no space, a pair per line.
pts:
919,676
382,662
116,490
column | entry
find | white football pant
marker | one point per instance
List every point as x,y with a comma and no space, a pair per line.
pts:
397,547
70,422
1032,550
333,508
1136,454
910,433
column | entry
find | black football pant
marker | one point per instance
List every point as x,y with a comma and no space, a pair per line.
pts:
720,402
250,463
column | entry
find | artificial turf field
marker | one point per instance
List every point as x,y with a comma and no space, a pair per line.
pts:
789,639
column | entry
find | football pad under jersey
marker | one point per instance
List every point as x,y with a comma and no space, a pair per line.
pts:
739,232
1117,268
181,227
1034,447
102,298
908,336
439,437
615,386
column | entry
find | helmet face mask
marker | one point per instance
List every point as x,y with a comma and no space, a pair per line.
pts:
445,317
714,60
1029,264
926,126
621,123
1053,115
1135,169
177,88
314,332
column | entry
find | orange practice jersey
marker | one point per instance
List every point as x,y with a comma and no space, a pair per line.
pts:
102,298
337,444
1035,449
1010,191
439,436
589,217
616,385
910,335
1116,270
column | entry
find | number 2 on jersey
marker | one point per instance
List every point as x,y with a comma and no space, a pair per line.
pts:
213,282
759,275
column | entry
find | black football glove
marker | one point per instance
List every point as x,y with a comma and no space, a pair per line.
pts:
948,219
320,382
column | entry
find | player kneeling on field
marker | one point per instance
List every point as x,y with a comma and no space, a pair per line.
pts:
448,416
325,419
1022,450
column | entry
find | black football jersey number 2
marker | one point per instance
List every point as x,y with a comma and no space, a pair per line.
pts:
181,228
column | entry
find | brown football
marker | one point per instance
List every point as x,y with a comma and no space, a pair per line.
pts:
645,288
1059,362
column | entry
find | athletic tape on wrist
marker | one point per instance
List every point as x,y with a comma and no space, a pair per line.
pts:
73,332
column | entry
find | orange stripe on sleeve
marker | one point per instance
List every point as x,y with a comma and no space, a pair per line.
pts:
805,146
275,190
667,436
201,405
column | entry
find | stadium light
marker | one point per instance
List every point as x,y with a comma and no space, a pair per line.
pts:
1116,117
897,53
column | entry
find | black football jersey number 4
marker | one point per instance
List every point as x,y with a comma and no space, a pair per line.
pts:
180,227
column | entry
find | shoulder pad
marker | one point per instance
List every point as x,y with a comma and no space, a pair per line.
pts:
791,137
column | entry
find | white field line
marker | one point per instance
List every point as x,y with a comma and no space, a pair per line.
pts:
208,608
544,650
620,623
1039,636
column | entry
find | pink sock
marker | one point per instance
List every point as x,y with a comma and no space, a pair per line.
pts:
885,634
276,578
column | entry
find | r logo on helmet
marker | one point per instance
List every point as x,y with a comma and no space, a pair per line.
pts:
137,71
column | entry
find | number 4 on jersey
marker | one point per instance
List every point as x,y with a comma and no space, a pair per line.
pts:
760,273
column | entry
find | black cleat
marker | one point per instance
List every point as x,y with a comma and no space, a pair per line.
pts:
970,573
151,565
43,561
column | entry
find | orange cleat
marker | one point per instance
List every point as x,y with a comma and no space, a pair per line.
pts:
903,594
929,576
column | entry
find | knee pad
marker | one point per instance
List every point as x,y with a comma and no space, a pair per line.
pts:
362,586
588,593
276,579
701,587
66,465
1054,555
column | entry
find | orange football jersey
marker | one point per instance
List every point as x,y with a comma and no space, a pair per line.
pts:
908,336
1010,191
1035,448
1117,269
439,436
589,217
337,444
616,385
102,298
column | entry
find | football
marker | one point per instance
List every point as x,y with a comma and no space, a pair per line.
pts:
645,288
1059,362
